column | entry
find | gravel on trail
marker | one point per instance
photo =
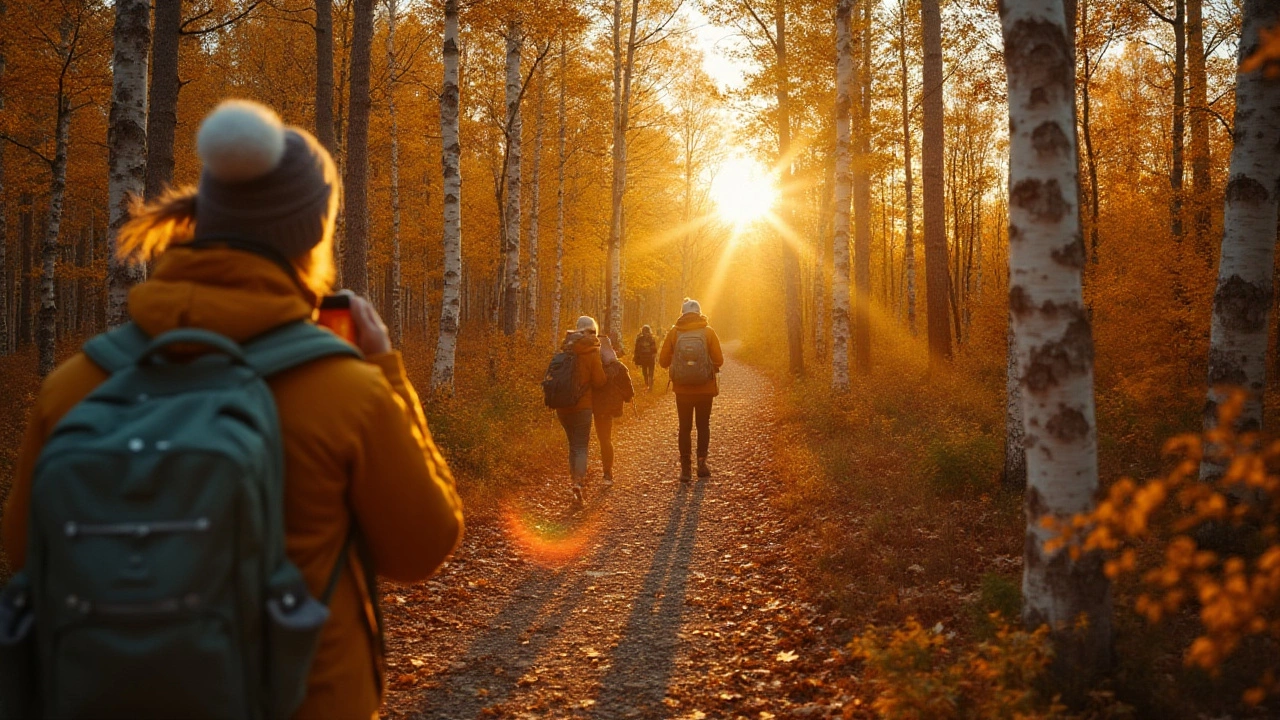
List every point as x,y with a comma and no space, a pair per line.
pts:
657,599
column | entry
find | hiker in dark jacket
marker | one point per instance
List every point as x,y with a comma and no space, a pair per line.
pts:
607,403
645,353
691,351
576,421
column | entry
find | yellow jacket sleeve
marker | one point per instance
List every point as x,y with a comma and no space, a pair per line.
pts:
713,348
668,349
598,378
402,492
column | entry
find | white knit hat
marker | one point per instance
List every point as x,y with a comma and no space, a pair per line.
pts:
586,322
690,306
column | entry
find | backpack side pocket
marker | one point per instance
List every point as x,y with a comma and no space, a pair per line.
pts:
19,684
294,623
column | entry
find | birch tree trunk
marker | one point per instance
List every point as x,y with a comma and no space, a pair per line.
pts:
355,241
622,69
511,213
560,161
47,332
535,208
843,181
909,221
162,113
126,143
1242,302
935,231
1177,170
324,75
1054,340
451,166
862,197
397,295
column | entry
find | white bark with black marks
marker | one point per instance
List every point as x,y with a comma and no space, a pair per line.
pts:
1242,302
535,206
511,213
1054,340
843,185
451,166
126,144
47,331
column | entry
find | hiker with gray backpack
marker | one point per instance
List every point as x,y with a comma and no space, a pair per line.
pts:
691,353
204,495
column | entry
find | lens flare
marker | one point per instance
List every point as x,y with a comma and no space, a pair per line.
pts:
743,193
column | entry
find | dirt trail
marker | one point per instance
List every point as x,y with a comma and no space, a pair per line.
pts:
658,599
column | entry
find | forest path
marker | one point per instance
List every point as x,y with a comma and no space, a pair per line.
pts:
659,599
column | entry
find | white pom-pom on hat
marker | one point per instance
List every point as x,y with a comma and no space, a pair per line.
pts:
240,140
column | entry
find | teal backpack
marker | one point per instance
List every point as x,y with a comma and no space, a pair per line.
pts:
156,583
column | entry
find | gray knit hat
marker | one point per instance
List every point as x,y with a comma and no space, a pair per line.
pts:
691,306
262,181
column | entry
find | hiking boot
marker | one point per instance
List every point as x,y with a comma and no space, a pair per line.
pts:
703,470
686,473
606,482
577,493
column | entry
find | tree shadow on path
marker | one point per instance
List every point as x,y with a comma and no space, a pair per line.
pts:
517,635
644,659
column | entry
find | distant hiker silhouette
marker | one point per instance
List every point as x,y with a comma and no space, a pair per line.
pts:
645,352
210,488
691,352
574,372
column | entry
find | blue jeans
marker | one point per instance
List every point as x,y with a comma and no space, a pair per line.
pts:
577,427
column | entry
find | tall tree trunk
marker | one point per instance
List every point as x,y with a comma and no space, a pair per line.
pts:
451,166
909,221
622,69
1199,119
1086,125
560,161
511,213
535,207
1054,340
6,340
397,299
1014,476
47,334
1176,171
324,75
162,114
843,183
126,144
26,264
1242,302
935,231
825,202
786,163
355,255
862,198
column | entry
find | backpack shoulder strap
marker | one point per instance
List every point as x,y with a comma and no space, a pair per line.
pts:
118,348
294,344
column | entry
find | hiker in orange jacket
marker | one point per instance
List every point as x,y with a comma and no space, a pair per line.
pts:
356,444
607,403
584,343
691,351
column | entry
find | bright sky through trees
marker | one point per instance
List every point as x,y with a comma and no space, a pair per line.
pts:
743,193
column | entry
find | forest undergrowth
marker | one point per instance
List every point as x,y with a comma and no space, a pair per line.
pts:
894,494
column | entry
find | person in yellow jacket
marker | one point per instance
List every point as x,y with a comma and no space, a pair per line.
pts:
695,348
584,342
356,444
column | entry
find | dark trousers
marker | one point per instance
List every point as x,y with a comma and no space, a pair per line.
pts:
687,406
647,368
604,433
577,428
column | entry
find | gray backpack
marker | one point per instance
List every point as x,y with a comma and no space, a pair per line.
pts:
691,360
156,583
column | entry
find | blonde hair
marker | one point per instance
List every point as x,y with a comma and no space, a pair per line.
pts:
170,219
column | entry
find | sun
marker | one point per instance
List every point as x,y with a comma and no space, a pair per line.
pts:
742,192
